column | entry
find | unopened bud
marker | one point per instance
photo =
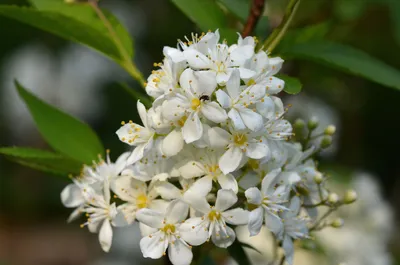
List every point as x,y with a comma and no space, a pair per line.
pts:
318,178
326,141
313,123
350,196
330,130
333,198
337,223
299,124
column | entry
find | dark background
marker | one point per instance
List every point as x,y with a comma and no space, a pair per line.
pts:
32,218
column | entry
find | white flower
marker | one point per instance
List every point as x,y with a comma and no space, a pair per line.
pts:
101,215
205,165
220,59
238,144
137,135
165,80
169,191
239,100
269,201
295,227
136,195
197,88
168,234
213,222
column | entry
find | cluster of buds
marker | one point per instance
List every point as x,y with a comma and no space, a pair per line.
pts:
215,121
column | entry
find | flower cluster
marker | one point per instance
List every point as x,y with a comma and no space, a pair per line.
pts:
215,121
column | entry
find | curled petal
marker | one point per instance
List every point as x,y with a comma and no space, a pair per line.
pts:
237,216
180,253
106,235
150,217
154,245
192,129
225,199
256,219
230,160
254,196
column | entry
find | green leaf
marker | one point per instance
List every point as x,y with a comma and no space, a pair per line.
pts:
239,8
237,253
64,133
292,85
42,160
347,59
205,13
77,23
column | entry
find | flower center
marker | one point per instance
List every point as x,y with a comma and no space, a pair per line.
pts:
182,121
253,164
214,215
220,66
251,82
168,229
240,138
195,103
141,201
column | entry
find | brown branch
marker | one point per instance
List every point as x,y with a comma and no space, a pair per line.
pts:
257,7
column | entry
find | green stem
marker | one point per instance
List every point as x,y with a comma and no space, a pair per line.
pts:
126,63
280,31
315,226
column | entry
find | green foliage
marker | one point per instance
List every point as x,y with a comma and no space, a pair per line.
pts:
64,133
292,84
237,253
42,160
345,58
77,22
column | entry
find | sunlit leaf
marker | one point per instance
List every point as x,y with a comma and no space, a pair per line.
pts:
347,59
61,131
292,84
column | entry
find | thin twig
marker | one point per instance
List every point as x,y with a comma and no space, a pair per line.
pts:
127,60
257,8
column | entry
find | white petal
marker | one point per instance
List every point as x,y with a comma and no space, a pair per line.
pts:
202,186
167,190
173,109
153,246
196,59
223,77
197,201
180,253
173,143
137,153
218,137
257,150
192,169
237,216
234,115
127,188
225,199
193,129
275,85
241,54
175,54
120,220
159,205
75,214
223,98
269,180
206,82
294,206
71,196
288,247
256,219
124,135
228,182
275,64
251,119
94,227
253,196
146,230
176,212
105,235
273,223
194,231
142,113
246,73
213,112
233,84
230,160
120,164
150,217
223,240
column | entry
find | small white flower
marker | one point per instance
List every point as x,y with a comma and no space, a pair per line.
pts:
205,165
168,234
239,145
197,88
295,227
239,100
213,222
269,201
137,135
169,191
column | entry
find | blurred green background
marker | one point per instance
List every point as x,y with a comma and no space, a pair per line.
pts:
32,219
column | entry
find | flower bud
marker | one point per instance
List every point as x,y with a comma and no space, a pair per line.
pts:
333,198
299,124
330,130
326,141
318,178
313,123
350,196
337,223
